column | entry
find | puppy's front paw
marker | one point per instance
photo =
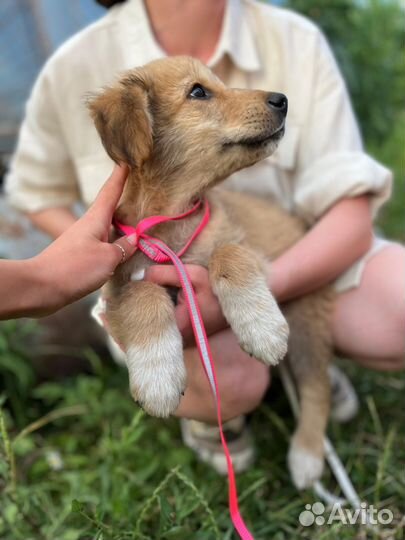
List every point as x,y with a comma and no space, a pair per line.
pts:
265,337
305,466
157,374
256,320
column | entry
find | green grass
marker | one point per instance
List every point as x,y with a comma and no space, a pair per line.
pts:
390,152
124,475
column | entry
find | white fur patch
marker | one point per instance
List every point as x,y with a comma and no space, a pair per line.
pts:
138,275
98,310
157,375
305,467
116,352
255,318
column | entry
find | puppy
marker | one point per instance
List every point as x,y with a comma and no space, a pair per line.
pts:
182,132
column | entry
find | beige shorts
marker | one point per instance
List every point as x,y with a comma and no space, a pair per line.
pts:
352,277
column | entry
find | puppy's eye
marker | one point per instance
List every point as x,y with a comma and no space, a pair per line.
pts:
198,92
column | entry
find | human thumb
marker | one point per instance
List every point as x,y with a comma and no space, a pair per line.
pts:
126,247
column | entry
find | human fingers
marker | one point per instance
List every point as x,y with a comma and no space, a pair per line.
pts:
167,275
123,248
163,275
107,199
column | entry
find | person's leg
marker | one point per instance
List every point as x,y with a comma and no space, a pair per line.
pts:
368,325
242,381
369,322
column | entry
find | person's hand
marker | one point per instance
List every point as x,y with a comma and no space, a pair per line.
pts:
81,260
211,312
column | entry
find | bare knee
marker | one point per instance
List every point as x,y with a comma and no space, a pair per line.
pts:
387,363
399,344
246,392
389,350
242,384
369,322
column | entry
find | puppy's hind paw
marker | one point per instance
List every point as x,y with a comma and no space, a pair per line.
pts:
157,374
305,467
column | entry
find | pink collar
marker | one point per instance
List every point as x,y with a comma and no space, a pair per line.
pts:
143,239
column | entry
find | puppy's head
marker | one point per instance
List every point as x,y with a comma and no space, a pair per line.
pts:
177,120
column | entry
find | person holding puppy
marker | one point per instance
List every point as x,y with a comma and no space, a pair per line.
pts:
43,284
320,173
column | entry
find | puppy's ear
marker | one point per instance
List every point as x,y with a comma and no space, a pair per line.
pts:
123,121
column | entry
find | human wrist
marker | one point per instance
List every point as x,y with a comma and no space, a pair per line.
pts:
25,295
277,280
46,295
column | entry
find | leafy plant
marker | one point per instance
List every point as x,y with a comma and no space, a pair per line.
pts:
17,375
368,39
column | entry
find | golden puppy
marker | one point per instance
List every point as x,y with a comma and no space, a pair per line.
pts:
181,131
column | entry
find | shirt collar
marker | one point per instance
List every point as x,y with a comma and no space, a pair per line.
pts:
237,36
237,39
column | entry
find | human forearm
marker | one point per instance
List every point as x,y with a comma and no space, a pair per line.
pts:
339,238
22,291
53,221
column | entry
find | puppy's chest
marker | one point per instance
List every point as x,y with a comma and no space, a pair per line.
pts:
217,232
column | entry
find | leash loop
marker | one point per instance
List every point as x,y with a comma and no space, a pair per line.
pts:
159,252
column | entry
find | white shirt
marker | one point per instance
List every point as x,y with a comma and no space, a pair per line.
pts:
60,159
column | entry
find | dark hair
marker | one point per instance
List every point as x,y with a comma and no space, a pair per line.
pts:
109,3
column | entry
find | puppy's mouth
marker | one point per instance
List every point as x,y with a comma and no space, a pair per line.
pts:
258,141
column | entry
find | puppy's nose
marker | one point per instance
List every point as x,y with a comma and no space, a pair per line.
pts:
276,101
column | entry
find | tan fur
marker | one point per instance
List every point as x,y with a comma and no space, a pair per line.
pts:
179,149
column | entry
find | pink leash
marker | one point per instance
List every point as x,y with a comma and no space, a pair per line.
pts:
159,252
